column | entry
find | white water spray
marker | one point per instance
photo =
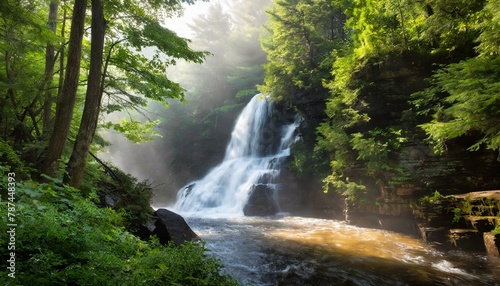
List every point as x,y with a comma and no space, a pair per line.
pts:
250,159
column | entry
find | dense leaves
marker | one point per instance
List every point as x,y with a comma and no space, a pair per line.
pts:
302,34
368,53
36,72
465,97
472,103
65,239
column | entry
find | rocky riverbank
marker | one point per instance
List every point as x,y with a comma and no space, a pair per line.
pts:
469,222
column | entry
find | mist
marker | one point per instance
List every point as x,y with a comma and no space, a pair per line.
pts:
194,133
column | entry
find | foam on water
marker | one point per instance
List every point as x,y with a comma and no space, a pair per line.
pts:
250,157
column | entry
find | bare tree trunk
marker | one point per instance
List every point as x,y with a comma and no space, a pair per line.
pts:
76,165
66,104
49,72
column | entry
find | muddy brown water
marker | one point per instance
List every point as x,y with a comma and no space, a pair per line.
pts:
288,250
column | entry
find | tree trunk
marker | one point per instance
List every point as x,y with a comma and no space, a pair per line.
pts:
64,110
61,57
76,165
403,29
49,72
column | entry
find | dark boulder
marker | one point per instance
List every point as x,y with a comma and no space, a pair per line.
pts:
169,226
261,201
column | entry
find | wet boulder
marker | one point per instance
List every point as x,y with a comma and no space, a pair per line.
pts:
169,226
261,201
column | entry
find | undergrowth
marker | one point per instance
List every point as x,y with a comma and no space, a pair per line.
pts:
63,238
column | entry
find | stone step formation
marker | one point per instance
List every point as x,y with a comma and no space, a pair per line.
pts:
469,222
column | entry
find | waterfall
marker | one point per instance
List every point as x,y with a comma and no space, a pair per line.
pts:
254,156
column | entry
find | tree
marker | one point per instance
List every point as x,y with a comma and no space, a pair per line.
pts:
465,96
211,33
76,164
23,29
144,76
384,37
302,34
50,61
244,53
66,103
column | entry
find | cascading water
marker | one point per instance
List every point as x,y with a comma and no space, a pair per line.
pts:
288,250
251,158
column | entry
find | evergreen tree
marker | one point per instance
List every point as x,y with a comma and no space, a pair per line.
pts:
302,35
465,96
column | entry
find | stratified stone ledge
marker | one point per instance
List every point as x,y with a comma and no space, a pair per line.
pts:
492,243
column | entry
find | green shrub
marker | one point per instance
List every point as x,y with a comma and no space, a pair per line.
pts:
65,239
10,160
132,198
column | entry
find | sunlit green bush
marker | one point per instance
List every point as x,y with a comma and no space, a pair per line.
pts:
65,239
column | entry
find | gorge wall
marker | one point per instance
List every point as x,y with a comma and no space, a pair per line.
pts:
420,172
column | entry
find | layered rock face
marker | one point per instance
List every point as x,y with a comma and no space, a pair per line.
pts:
468,221
385,97
387,101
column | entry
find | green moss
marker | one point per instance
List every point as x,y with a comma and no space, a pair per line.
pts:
496,230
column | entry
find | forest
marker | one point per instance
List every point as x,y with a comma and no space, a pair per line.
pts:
393,74
377,83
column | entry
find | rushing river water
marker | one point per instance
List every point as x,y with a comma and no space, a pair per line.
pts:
287,250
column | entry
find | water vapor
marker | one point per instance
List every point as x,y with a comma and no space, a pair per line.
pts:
195,133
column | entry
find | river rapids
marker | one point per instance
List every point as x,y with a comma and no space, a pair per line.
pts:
289,250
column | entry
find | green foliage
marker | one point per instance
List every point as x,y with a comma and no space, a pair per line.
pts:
471,103
131,198
480,206
64,239
135,131
457,215
342,185
306,162
461,208
138,50
496,230
246,93
302,34
373,27
374,150
10,160
451,26
489,39
434,198
463,97
23,31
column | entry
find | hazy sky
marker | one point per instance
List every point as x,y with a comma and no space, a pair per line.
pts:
180,24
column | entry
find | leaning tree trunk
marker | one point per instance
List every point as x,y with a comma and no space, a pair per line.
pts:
76,165
66,103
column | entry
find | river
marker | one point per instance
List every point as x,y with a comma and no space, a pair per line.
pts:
288,250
